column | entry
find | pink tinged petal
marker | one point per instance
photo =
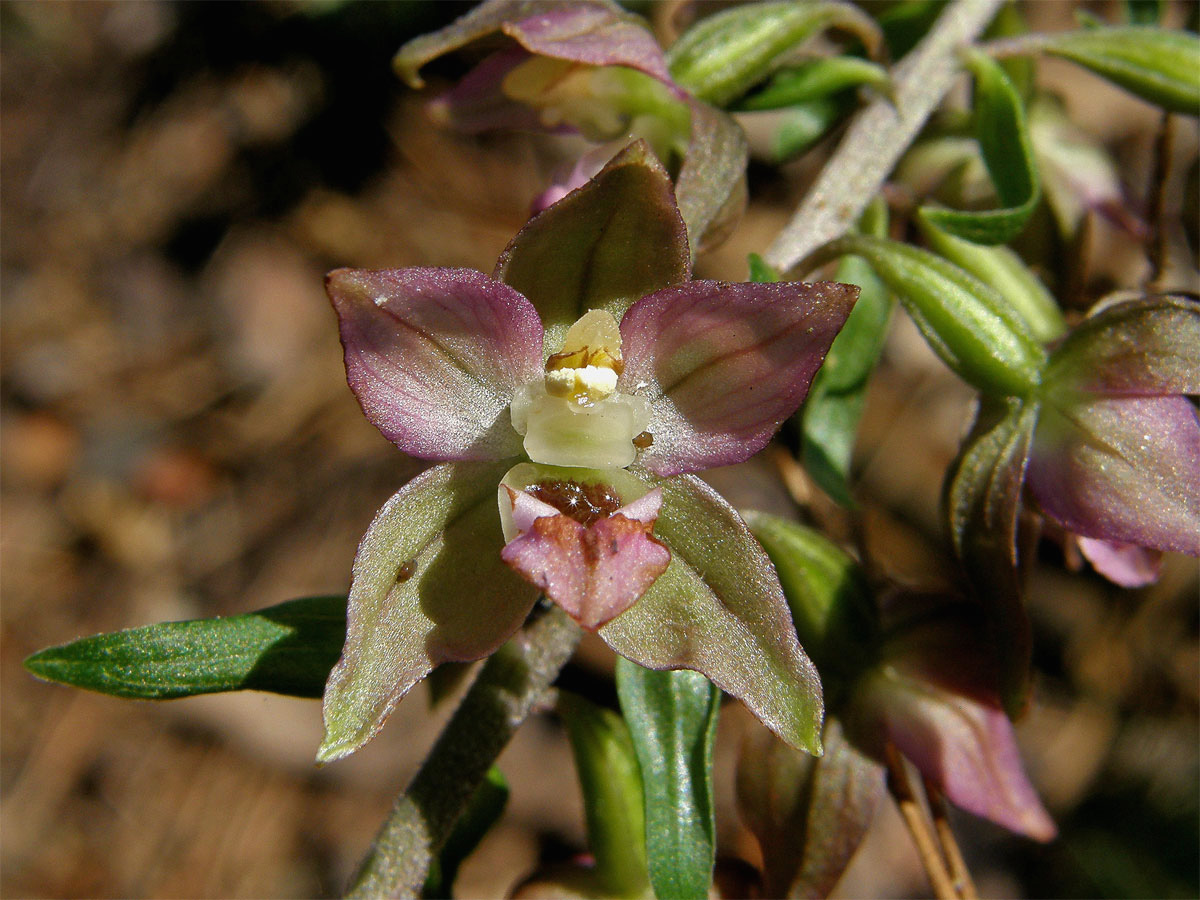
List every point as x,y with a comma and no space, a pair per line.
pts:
724,364
478,104
434,357
592,33
428,587
594,573
1137,348
966,748
719,610
1128,565
1123,469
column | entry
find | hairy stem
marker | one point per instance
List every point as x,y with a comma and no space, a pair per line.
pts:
509,687
964,885
881,133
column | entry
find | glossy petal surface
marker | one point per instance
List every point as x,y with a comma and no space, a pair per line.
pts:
719,610
1138,348
724,364
1123,469
433,545
594,572
434,357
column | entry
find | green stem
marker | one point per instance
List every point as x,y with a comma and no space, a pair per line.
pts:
510,686
881,133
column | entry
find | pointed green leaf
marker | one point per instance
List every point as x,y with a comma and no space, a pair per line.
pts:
726,54
966,322
428,587
983,498
617,238
817,79
802,125
719,610
608,771
835,403
809,815
1002,129
672,718
1157,64
486,806
285,649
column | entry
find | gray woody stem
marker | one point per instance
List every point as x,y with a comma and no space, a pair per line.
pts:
880,134
509,687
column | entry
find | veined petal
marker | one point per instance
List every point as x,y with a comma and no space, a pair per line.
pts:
434,357
428,587
719,610
1123,469
1137,348
724,364
1128,565
594,572
965,747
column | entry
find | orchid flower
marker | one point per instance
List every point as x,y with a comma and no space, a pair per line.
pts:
584,381
1115,456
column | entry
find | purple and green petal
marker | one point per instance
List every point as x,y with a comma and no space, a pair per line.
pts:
593,572
719,610
724,364
435,355
432,546
617,238
711,187
1124,469
477,103
594,32
1141,347
1128,565
965,747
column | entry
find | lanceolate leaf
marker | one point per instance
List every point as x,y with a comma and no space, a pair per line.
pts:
719,609
982,501
672,717
285,649
816,80
1003,133
432,546
602,246
726,54
1157,64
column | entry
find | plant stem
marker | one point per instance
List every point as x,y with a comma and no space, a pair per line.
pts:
509,687
918,827
881,133
964,885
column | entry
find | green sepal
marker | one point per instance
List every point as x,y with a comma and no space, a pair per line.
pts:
611,781
818,79
828,594
285,649
603,246
1157,64
711,187
982,500
835,402
967,323
719,610
672,718
482,812
1005,271
724,55
1002,130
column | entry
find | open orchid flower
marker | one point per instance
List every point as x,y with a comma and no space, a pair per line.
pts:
589,67
577,386
1115,457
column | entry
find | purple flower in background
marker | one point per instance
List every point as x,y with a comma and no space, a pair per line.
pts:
584,380
1115,457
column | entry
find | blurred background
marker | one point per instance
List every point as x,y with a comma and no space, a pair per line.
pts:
178,440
